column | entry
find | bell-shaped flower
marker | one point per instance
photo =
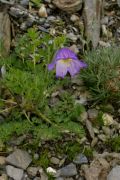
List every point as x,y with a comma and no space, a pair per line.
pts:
65,60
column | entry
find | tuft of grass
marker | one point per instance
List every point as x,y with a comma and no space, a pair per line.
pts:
102,77
114,143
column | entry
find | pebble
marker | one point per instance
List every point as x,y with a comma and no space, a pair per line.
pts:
107,119
72,37
114,174
19,158
18,12
42,11
51,18
90,128
80,159
36,156
14,173
104,30
74,18
104,44
42,174
94,142
55,160
67,171
102,137
106,130
32,171
92,114
105,20
83,116
74,48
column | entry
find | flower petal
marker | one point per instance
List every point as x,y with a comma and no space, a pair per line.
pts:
61,69
75,67
65,53
51,65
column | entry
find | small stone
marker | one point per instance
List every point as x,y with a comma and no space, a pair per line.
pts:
72,37
106,130
80,159
94,142
74,48
36,156
90,128
104,44
14,173
18,12
67,171
92,114
114,174
74,18
25,177
102,137
107,119
42,174
32,171
51,18
42,11
19,158
55,160
83,116
104,31
104,20
2,160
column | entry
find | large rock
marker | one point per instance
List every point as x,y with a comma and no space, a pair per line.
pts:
114,174
19,158
5,34
92,16
68,5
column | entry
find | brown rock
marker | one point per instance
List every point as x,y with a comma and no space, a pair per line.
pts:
68,5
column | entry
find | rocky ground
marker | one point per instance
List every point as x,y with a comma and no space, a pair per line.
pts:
74,20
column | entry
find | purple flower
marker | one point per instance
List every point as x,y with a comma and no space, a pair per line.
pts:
65,61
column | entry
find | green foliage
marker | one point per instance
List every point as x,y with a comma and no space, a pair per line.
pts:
26,89
72,149
99,120
88,151
114,143
102,75
8,129
36,3
43,160
68,110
